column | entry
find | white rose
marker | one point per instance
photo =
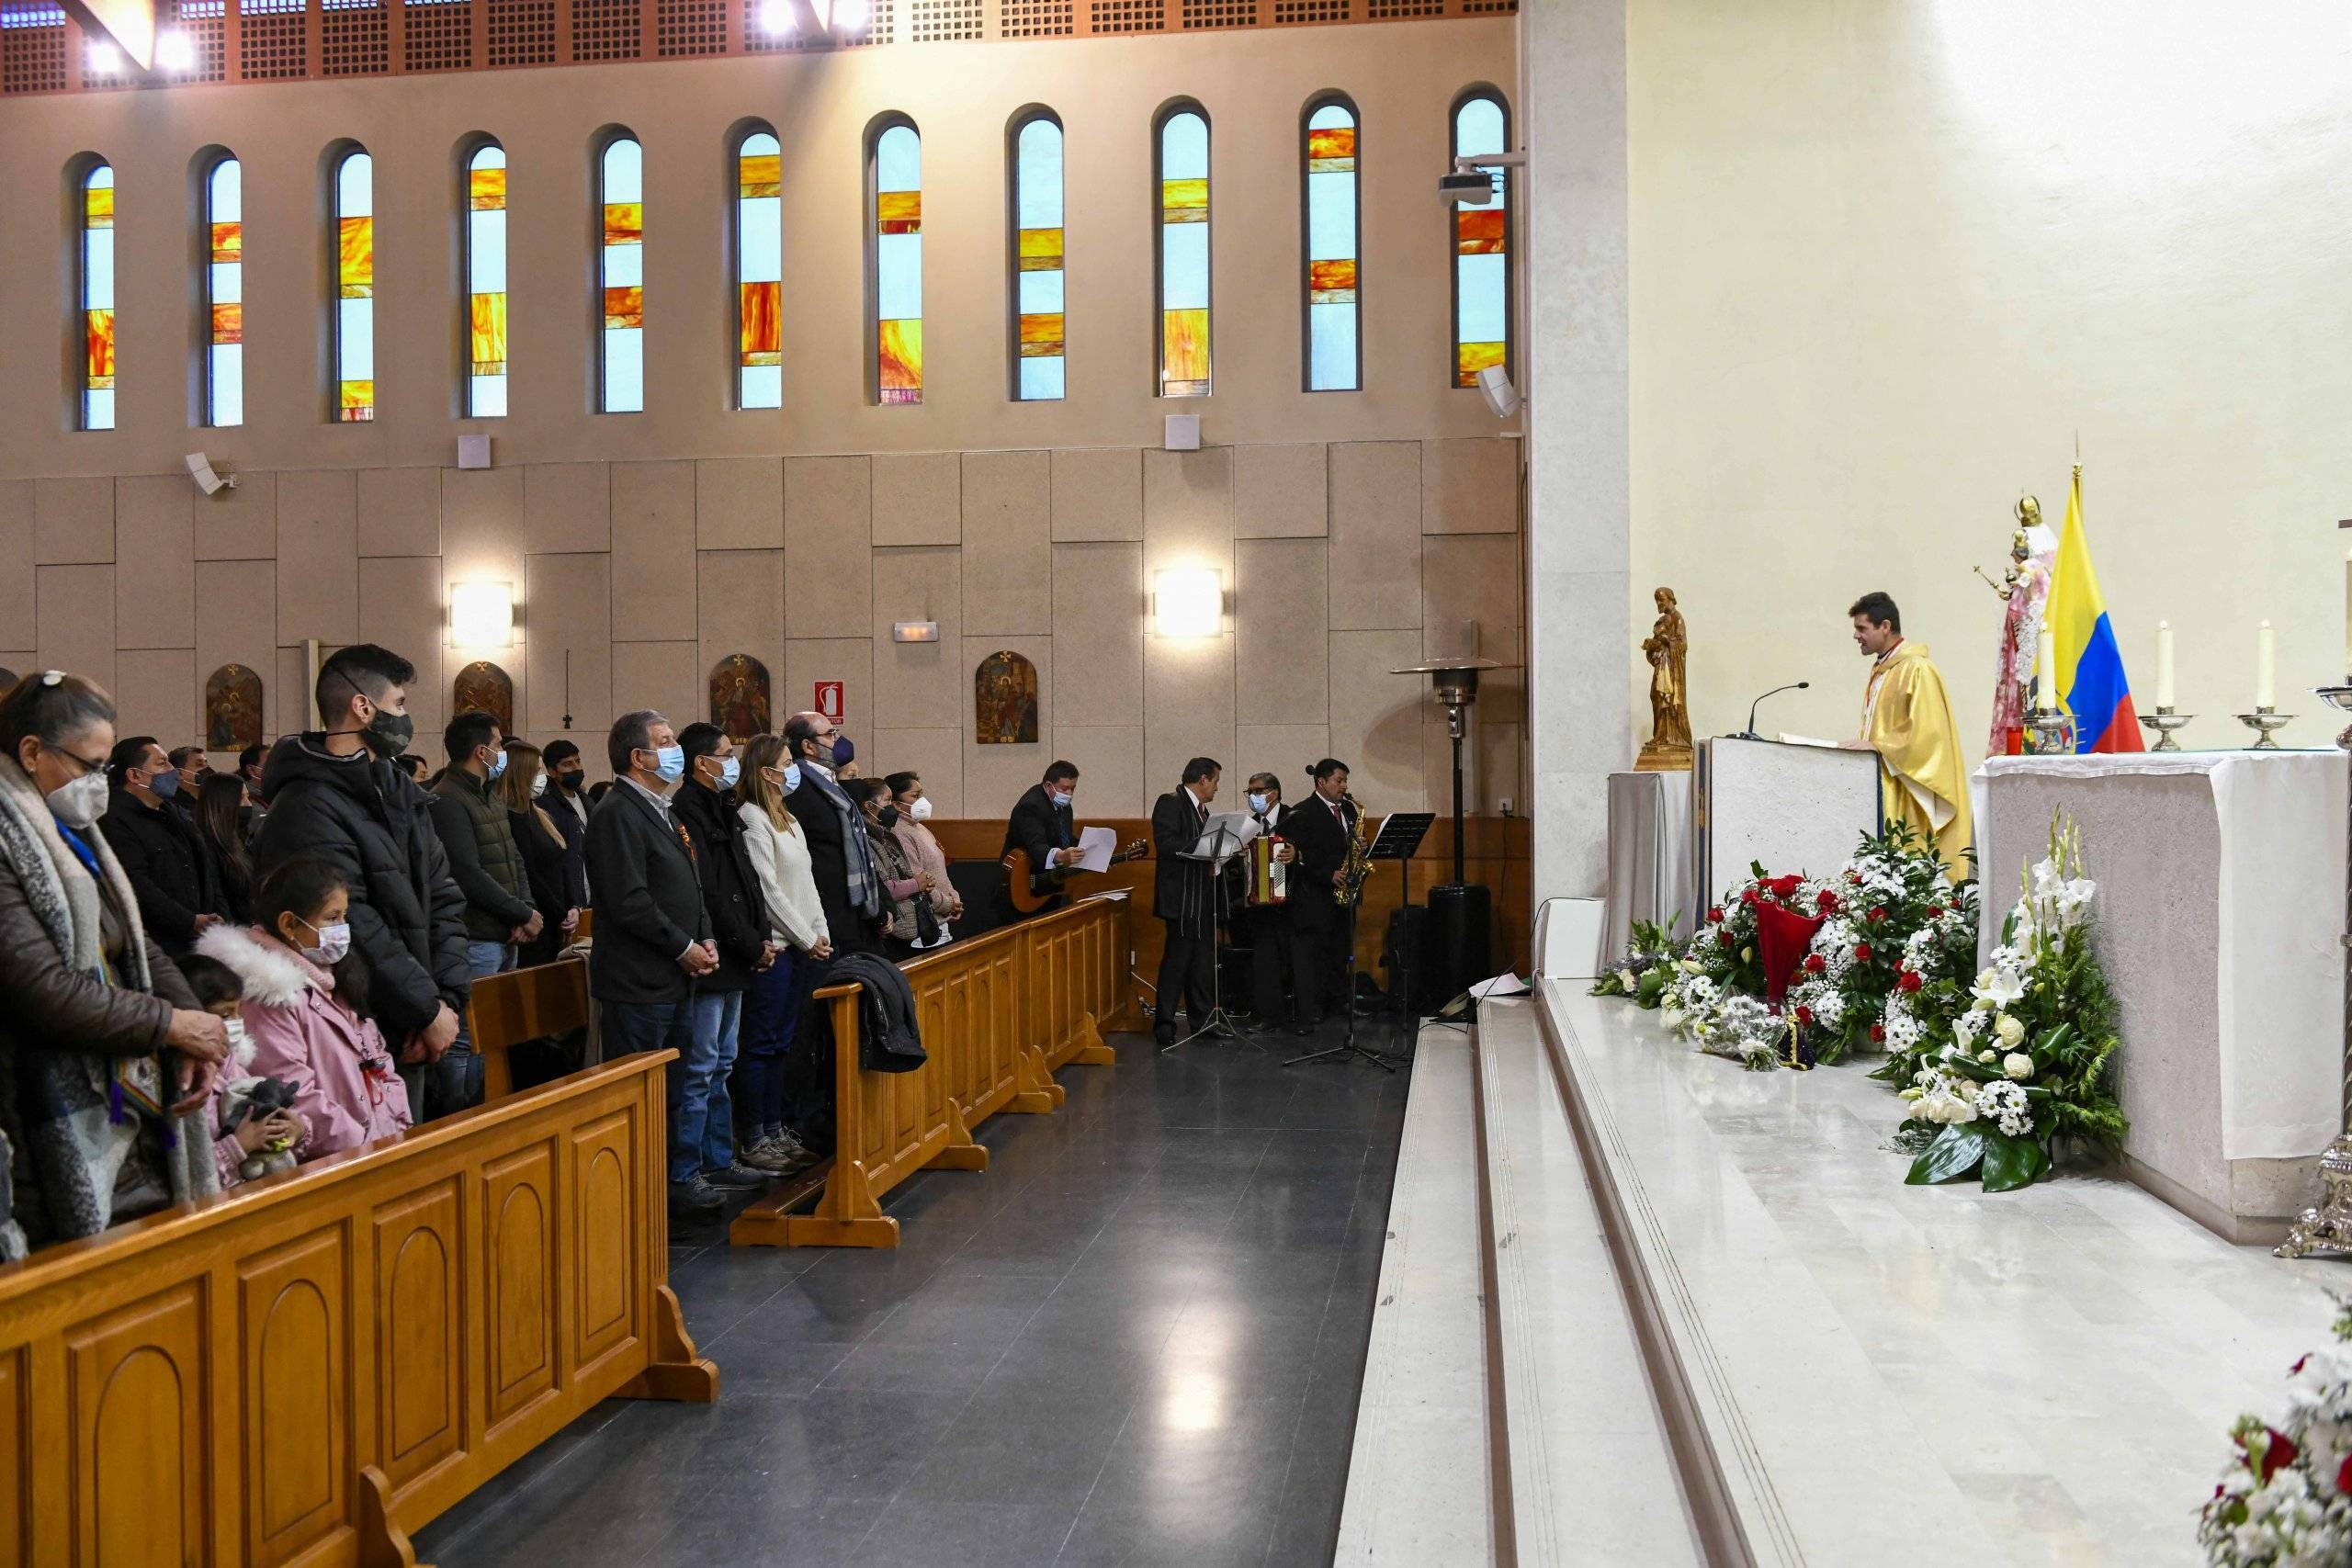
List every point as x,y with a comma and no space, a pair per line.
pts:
2017,1064
1625,978
1986,1054
1670,1017
1920,1110
2010,1030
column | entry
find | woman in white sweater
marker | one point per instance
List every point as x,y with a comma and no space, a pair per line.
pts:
773,1005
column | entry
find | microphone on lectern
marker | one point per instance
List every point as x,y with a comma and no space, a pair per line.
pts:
1749,733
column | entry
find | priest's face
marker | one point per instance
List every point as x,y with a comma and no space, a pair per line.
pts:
1874,638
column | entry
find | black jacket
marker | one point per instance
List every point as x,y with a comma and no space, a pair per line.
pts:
649,901
170,867
845,926
731,888
1038,825
573,825
1181,888
1322,845
889,1035
555,888
483,857
366,818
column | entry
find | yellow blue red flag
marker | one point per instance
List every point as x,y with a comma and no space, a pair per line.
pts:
2090,678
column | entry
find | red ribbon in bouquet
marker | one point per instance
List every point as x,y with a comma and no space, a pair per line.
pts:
1783,937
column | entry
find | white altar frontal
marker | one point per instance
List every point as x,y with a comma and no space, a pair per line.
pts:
1785,806
2220,907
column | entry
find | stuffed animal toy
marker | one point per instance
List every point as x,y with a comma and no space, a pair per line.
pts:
257,1099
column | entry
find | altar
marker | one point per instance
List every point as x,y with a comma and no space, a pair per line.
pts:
2220,905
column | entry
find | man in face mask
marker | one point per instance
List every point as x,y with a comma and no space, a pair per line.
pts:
840,862
565,800
1042,825
171,868
478,837
340,793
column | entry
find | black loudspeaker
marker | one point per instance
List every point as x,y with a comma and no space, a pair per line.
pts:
1460,949
1401,953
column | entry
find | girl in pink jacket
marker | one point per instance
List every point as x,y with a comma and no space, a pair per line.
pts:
302,1008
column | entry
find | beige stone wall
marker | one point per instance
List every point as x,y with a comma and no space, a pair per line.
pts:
1356,531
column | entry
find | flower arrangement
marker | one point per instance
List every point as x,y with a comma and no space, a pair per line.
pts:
2027,1065
1717,999
1647,968
1860,964
2286,1498
1934,987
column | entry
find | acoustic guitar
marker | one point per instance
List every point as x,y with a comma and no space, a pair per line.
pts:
1021,888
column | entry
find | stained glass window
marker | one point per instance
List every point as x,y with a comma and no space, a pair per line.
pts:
1334,360
621,189
897,262
759,272
1038,334
1183,168
97,299
486,282
224,294
355,316
1482,246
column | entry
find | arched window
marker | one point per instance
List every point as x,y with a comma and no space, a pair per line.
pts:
1482,244
1334,356
620,180
354,314
224,293
759,272
486,281
1181,158
97,298
1038,341
894,175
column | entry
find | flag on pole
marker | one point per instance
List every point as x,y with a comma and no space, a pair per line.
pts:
2090,678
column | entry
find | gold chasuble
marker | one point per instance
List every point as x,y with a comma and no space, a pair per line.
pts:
1906,719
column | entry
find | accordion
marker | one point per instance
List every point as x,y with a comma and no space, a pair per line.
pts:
1269,879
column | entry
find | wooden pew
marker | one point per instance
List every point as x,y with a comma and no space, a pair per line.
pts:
998,1012
311,1367
537,1003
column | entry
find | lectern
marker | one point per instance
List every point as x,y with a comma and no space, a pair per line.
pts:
1790,807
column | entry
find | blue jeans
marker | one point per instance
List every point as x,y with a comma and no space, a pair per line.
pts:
633,1027
702,1115
772,1010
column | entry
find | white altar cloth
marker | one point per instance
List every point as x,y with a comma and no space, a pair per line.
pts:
2221,879
1650,873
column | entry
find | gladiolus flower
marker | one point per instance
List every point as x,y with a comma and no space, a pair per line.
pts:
1909,982
1814,964
1861,952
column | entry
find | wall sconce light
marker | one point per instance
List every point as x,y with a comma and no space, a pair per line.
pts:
1187,600
914,631
481,615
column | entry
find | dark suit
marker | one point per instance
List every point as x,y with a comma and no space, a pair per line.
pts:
1320,923
648,902
1279,950
1184,898
1039,825
820,825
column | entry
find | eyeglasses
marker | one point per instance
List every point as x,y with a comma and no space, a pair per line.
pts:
82,762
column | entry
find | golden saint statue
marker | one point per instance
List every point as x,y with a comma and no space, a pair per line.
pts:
1667,649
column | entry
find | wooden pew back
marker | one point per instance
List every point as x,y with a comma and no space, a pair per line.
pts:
537,1003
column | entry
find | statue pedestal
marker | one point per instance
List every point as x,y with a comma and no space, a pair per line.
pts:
1663,757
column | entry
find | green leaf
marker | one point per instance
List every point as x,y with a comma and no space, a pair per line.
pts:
1953,1156
2011,1163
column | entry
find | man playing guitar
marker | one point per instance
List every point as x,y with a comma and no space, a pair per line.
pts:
1042,829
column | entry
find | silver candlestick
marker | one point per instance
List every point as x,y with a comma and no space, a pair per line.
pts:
2327,1231
2050,731
2164,721
2262,721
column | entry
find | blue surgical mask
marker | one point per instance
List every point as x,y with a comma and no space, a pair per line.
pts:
791,777
1257,803
844,753
672,767
730,770
497,764
165,784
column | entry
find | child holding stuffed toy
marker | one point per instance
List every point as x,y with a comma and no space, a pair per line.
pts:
254,1127
304,996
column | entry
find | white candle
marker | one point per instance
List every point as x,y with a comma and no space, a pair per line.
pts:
2163,664
2045,669
2265,668
2348,615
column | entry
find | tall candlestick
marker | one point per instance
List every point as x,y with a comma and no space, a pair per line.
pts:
2265,668
2163,664
2045,669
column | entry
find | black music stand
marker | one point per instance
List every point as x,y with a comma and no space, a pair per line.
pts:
1221,844
1399,828
1400,839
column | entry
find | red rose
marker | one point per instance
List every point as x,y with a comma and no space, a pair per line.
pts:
1827,900
1878,1034
1909,981
2276,1455
1804,1016
1814,964
2344,1474
1783,886
1861,952
1715,915
1725,936
1747,896
1934,909
1878,913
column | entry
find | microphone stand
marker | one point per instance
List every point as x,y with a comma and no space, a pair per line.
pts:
1749,733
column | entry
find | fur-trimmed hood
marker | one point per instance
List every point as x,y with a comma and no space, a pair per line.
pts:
273,974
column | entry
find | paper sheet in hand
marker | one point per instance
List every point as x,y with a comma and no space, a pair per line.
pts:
1239,828
1095,848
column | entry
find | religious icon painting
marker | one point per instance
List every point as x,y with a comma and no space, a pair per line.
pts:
232,709
1004,700
484,685
739,696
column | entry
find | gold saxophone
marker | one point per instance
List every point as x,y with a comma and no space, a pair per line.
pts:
1358,865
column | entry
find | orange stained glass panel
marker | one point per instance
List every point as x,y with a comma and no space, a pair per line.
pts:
1041,250
98,348
898,212
1184,201
625,306
228,242
1331,151
1472,357
228,324
356,401
760,174
1478,231
1041,336
624,222
97,206
1331,282
486,188
898,363
1185,353
486,334
762,318
355,265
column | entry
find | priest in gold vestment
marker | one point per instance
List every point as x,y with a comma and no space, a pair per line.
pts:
1906,719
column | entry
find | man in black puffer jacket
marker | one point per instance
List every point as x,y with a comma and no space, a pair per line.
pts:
339,793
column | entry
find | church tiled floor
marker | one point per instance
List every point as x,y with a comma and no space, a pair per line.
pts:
1137,1338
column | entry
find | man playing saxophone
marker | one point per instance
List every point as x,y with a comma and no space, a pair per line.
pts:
1323,829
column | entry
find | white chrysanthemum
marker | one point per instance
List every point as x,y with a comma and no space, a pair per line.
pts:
1902,1031
2008,1107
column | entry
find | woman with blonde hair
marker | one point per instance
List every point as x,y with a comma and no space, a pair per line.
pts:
774,1002
556,890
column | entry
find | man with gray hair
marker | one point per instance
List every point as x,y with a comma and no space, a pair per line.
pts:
653,937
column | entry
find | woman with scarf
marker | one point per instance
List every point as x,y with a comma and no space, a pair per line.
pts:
107,1062
923,850
907,920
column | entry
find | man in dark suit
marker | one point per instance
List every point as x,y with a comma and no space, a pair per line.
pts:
1276,951
1042,825
1320,827
840,861
653,939
1184,898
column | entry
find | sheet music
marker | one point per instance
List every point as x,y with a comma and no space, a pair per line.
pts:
1788,740
1239,828
1095,848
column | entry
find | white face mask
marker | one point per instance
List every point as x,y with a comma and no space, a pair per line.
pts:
1257,803
240,1049
81,803
920,809
335,942
539,783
